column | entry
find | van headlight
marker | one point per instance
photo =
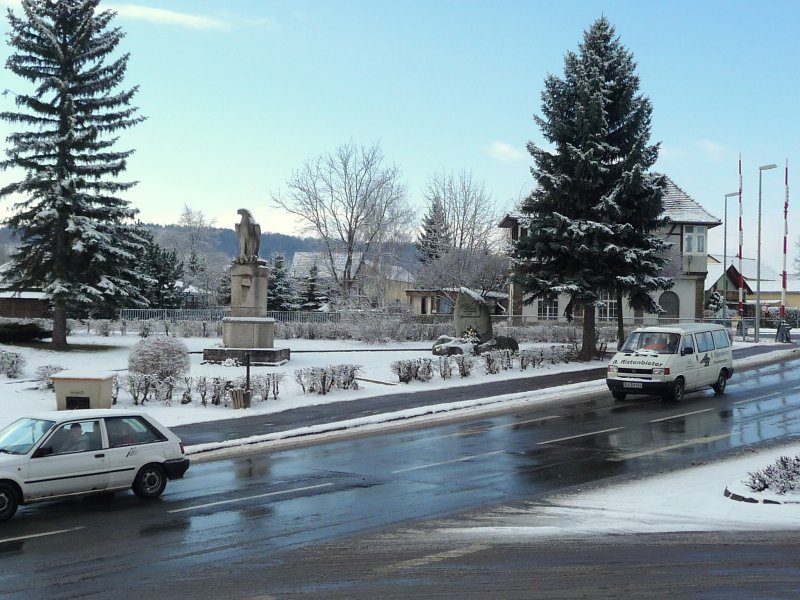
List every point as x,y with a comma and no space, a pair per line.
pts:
660,371
612,369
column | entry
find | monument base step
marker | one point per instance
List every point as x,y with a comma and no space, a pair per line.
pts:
259,357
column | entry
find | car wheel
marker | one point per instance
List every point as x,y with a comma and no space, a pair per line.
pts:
8,501
676,395
722,382
150,481
618,395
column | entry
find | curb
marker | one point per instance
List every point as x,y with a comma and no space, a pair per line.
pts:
750,500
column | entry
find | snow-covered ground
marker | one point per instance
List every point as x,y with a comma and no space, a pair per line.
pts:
686,500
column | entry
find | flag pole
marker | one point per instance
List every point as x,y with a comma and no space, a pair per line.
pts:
785,241
741,237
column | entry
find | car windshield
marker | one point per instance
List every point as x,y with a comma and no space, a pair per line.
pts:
652,341
21,435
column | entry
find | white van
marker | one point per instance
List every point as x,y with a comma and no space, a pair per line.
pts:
671,360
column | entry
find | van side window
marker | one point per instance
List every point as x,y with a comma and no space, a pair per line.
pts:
721,339
688,342
705,343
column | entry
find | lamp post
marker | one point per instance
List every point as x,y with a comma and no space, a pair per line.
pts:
725,255
758,257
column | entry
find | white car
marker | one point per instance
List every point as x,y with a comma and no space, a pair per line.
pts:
63,454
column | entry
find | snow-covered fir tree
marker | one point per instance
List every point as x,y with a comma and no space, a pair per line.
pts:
164,271
434,239
591,221
280,292
223,292
77,239
312,296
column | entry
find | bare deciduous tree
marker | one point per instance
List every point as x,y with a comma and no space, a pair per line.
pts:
347,199
470,213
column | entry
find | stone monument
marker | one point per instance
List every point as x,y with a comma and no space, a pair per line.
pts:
248,333
472,314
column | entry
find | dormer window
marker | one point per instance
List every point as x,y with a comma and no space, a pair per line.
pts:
694,239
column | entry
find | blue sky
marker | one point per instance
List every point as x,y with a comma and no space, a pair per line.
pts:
239,93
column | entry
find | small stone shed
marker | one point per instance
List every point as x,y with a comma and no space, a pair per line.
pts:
83,388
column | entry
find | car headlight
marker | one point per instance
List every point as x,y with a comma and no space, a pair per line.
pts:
661,371
612,369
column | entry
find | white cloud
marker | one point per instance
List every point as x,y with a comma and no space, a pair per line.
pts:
505,152
167,17
713,150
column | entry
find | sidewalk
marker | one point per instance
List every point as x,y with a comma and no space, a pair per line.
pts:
200,438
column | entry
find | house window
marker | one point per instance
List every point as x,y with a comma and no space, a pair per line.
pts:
694,239
547,309
610,309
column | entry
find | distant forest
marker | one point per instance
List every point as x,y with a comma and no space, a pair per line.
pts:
223,245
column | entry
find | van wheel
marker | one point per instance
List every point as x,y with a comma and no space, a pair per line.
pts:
676,395
150,481
618,395
8,501
722,382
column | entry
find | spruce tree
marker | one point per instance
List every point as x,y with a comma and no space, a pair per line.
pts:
312,296
223,291
280,294
592,219
164,271
77,239
433,240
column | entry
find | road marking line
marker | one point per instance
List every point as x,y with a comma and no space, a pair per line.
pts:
37,535
448,462
574,437
479,431
706,440
537,420
697,412
772,395
268,494
430,558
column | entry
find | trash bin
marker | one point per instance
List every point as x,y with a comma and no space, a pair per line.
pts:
240,397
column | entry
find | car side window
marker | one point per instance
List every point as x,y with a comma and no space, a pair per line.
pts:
705,342
721,339
688,342
124,431
75,437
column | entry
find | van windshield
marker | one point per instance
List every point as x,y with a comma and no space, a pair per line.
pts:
652,341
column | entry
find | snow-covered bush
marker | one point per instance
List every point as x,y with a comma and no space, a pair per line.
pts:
145,327
43,374
715,302
782,477
445,367
464,363
11,364
420,369
160,356
321,380
264,385
496,361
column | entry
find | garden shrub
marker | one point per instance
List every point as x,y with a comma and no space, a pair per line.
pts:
160,356
15,332
11,364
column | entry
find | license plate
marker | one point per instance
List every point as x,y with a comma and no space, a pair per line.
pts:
632,384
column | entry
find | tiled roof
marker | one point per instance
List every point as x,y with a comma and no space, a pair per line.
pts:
680,207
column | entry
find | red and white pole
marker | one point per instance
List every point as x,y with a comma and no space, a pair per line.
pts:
741,238
785,241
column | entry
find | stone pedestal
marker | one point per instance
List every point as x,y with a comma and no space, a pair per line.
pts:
249,290
248,332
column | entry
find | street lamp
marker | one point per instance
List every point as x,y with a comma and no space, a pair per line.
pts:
725,255
758,257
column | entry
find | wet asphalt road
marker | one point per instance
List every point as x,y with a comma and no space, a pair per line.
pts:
230,429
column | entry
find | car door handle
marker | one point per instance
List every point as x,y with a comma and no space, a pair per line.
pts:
99,455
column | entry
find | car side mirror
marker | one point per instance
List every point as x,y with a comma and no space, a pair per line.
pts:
687,351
